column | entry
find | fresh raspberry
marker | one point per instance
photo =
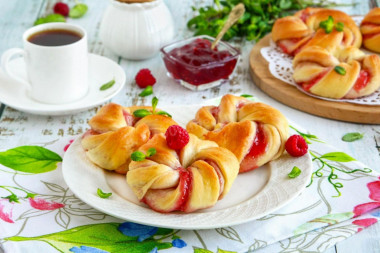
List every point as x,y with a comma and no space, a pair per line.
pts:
145,78
61,8
176,137
296,145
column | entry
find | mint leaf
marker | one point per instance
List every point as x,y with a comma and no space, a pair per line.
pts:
103,195
78,10
164,113
350,137
50,18
340,70
138,156
151,152
107,85
154,104
295,172
246,96
147,91
141,113
338,157
30,159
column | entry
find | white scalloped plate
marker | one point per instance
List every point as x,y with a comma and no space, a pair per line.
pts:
253,195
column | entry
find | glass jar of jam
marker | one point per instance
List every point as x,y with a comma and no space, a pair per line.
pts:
196,66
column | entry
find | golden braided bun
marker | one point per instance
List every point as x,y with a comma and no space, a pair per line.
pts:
115,134
370,29
294,33
314,70
255,132
193,178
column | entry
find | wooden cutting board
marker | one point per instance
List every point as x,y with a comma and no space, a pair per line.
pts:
291,96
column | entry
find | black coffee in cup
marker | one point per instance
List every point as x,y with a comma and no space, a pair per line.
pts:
54,37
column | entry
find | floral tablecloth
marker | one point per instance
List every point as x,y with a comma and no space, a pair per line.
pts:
39,213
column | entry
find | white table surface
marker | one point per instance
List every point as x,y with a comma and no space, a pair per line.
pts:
19,128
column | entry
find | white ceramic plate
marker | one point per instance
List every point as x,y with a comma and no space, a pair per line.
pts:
101,70
254,194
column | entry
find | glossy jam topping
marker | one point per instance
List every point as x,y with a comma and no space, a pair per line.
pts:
196,63
362,80
258,148
307,85
185,179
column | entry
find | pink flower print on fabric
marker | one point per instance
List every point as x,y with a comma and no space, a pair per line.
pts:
6,209
364,223
42,204
68,145
374,189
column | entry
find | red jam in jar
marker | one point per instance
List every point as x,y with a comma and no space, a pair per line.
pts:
196,66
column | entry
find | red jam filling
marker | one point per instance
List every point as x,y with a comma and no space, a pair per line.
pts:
186,184
128,118
307,85
285,44
362,80
368,36
214,111
197,64
219,173
258,148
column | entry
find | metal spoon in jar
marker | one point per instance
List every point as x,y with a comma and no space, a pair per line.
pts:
234,16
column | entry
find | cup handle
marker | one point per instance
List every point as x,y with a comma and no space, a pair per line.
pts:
6,57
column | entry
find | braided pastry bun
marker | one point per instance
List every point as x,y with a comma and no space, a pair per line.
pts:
315,70
370,29
293,33
255,132
193,178
115,134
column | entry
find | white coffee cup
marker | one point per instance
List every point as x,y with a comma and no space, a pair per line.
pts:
56,74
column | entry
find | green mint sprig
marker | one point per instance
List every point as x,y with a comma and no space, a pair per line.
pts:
328,25
139,156
257,21
140,113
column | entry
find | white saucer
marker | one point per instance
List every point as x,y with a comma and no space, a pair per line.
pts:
101,71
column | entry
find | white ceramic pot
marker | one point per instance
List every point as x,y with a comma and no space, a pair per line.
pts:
136,31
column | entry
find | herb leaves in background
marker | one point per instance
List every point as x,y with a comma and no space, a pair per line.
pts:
257,20
78,10
50,18
350,137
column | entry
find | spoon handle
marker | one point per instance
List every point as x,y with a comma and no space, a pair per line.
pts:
234,16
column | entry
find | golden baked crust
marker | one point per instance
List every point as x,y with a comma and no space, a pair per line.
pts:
255,132
300,31
115,134
370,29
194,178
314,70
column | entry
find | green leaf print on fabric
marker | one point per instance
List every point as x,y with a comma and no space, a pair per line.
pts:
197,250
30,159
338,157
329,219
323,161
105,236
